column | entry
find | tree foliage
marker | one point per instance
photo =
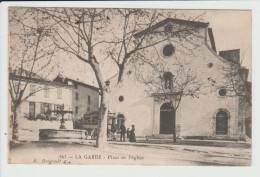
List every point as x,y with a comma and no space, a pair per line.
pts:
30,55
96,36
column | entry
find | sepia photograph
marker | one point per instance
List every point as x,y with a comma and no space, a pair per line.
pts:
129,86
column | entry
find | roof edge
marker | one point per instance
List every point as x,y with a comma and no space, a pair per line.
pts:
38,81
174,20
78,82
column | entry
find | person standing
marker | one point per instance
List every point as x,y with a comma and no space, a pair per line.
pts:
132,134
122,132
128,133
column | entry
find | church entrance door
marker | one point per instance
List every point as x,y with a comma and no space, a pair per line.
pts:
167,118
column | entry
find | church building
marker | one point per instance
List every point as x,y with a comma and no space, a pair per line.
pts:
185,62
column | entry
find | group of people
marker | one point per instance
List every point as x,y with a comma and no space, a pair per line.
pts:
130,134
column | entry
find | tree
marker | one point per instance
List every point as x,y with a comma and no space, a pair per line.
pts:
95,36
87,34
29,55
138,26
125,44
234,80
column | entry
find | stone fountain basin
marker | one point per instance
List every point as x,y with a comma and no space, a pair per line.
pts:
51,134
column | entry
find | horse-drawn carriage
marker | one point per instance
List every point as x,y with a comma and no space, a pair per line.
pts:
90,121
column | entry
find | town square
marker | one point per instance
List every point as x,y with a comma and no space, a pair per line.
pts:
129,86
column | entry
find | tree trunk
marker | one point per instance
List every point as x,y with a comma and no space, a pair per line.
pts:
102,129
15,125
174,128
101,141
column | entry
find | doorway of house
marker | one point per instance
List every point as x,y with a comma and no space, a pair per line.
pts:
167,118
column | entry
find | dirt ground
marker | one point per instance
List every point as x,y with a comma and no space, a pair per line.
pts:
127,154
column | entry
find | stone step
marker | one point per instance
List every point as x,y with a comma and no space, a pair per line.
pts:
161,136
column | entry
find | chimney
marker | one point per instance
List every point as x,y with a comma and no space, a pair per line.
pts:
231,55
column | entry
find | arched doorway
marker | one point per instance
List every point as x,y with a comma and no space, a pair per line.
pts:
120,119
222,123
167,118
116,122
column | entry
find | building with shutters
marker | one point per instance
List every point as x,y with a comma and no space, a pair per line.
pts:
35,112
85,97
38,110
45,95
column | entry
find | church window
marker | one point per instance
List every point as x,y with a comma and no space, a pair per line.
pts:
210,65
129,72
167,76
121,98
168,50
222,92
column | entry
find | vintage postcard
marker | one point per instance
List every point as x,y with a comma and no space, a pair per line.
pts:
129,86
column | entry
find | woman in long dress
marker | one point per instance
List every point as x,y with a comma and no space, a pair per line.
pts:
132,134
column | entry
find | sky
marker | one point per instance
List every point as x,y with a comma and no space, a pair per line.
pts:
231,30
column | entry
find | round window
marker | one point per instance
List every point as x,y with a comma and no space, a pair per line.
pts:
121,98
168,50
222,92
129,72
210,65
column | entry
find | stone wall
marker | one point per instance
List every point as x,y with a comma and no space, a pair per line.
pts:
198,116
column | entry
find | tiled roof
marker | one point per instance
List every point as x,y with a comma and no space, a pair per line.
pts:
24,76
66,79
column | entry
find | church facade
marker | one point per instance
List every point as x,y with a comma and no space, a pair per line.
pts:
207,113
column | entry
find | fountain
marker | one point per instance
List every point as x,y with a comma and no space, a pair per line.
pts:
62,133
